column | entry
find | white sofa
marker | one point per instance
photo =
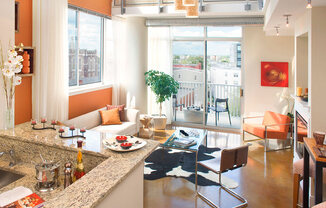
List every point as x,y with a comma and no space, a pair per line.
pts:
93,121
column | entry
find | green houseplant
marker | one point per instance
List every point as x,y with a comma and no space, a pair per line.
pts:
162,85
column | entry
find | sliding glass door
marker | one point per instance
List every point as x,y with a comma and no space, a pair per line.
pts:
188,71
207,65
223,83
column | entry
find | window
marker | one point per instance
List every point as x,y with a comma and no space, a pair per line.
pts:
224,32
188,31
85,33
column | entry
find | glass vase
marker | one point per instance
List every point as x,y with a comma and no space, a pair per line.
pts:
10,113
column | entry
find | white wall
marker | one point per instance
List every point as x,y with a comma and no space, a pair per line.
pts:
257,48
317,70
7,34
136,64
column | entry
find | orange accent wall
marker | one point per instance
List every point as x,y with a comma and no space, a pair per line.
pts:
24,35
90,101
23,96
23,101
78,104
100,6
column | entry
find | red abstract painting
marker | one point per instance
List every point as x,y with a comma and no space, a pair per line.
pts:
275,74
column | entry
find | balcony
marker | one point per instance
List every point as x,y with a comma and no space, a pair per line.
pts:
190,104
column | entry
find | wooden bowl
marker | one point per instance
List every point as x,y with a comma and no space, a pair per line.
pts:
319,137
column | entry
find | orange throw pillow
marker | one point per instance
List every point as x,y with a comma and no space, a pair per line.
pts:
110,117
121,110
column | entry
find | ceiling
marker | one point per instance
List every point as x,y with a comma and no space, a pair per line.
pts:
278,8
212,8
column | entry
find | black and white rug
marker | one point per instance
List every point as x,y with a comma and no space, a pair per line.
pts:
176,163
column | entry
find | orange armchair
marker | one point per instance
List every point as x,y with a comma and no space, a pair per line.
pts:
274,126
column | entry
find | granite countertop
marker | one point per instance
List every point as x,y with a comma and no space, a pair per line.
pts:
96,184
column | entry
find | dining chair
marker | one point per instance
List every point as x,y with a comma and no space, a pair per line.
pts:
221,106
229,160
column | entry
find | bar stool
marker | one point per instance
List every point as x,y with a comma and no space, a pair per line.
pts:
230,159
298,176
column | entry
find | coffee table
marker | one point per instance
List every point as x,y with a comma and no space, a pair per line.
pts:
201,135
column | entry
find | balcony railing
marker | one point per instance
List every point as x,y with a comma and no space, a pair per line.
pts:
192,94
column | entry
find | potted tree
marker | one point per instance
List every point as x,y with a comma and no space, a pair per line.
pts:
163,86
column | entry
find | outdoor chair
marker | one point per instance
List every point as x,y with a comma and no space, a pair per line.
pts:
220,108
229,160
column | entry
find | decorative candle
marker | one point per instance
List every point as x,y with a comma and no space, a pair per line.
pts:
33,122
306,91
61,130
53,122
299,91
79,143
72,128
43,120
82,130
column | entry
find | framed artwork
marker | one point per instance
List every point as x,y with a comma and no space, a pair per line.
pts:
17,16
275,74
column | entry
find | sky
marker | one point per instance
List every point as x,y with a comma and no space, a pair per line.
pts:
197,47
89,30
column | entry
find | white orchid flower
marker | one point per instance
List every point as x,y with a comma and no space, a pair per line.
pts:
17,67
7,71
17,59
12,53
17,80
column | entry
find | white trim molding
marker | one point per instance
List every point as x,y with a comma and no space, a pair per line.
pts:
88,88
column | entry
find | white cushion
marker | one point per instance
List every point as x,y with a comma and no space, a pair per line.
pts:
126,128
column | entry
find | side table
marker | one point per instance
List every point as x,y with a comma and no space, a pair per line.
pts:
145,131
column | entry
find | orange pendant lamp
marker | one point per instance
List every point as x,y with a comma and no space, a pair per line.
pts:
189,2
178,6
192,11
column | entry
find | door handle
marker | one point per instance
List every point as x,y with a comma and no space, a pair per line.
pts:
241,92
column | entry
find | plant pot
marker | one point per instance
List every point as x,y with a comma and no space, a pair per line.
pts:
159,122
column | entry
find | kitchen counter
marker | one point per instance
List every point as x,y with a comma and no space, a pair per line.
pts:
107,168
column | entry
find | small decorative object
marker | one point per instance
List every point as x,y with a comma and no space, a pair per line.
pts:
26,63
155,80
121,139
10,69
44,127
299,91
275,74
319,137
79,143
67,173
125,145
72,129
146,120
79,171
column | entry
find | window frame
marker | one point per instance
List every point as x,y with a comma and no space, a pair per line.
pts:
75,89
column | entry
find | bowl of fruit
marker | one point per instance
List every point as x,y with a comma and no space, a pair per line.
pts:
121,139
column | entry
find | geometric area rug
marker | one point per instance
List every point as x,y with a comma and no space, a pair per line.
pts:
181,164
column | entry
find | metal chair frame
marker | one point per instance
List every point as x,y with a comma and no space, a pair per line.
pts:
266,139
244,202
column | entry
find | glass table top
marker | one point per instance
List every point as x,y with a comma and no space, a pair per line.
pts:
197,135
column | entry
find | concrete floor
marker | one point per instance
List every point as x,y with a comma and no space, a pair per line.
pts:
266,181
223,122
